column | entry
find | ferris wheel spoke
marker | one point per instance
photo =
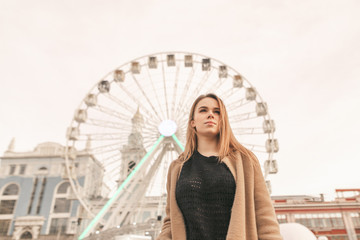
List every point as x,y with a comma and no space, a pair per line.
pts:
149,128
249,130
237,104
130,109
228,93
149,136
148,144
244,116
215,86
153,88
186,89
146,97
106,148
149,116
113,168
197,89
175,92
111,158
247,133
165,93
99,137
112,112
255,147
177,142
101,149
107,124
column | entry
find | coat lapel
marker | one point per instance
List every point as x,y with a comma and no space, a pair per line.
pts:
237,227
177,221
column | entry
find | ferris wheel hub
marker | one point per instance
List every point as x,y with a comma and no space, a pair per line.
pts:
167,128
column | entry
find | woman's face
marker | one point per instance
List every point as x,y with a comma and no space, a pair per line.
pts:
206,117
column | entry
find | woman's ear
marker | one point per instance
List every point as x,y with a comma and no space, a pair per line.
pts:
192,123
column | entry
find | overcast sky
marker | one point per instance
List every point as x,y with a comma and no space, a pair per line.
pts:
302,56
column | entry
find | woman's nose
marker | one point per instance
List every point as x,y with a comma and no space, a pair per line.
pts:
211,114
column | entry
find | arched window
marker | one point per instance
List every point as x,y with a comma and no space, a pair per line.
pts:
61,209
62,202
131,166
42,171
12,189
63,188
26,235
8,199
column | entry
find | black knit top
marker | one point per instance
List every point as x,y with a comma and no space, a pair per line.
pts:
205,194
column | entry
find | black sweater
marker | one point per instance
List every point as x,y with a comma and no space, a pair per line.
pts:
205,193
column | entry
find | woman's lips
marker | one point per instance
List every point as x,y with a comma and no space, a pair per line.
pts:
210,123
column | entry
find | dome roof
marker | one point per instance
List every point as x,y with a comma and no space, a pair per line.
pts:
296,231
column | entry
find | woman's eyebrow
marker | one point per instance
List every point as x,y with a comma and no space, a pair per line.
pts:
207,107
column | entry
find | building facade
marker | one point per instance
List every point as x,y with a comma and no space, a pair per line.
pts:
36,199
336,220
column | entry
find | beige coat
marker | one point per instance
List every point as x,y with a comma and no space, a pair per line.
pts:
252,214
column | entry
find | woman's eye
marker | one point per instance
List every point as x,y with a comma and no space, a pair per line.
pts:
202,110
217,112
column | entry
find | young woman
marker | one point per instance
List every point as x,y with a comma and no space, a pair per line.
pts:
216,189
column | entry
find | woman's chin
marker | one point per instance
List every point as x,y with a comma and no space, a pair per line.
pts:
208,134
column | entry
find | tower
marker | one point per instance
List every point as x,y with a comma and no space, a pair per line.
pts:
134,150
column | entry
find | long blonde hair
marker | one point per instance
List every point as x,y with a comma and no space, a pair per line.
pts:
228,144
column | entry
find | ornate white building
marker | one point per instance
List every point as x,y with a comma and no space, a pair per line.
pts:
36,200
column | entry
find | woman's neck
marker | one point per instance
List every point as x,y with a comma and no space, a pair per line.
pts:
208,146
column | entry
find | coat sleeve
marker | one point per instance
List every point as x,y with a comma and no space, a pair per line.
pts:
166,227
266,222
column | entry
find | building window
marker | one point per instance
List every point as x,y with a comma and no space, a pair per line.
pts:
131,166
337,220
303,219
4,227
340,237
281,218
7,206
12,189
43,185
32,195
62,202
333,220
22,169
8,199
355,217
61,209
58,225
63,188
26,235
12,169
62,205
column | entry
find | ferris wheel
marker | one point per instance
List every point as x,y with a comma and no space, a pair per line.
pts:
133,123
